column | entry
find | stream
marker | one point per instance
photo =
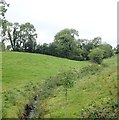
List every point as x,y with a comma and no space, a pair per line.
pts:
29,109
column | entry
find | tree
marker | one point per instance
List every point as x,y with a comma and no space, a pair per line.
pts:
13,34
3,21
117,49
52,49
65,42
68,79
96,41
96,55
20,36
85,46
44,48
9,30
27,37
3,8
108,51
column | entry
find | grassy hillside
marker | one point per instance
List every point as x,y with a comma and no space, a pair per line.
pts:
99,90
21,70
25,73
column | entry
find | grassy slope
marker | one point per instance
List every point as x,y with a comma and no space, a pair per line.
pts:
20,68
90,89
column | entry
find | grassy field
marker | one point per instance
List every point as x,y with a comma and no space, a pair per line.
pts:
22,71
20,68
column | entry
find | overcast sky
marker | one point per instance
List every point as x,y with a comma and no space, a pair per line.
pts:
92,18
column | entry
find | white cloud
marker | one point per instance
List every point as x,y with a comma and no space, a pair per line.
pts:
91,18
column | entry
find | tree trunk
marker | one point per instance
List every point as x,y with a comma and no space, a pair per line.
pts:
10,38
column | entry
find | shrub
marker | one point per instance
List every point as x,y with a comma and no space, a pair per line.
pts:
107,109
89,70
108,52
96,55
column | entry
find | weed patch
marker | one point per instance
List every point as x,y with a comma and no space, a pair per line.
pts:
107,109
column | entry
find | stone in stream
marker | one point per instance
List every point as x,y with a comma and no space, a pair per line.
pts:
28,109
35,97
25,115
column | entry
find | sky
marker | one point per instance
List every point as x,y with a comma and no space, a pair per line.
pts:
92,18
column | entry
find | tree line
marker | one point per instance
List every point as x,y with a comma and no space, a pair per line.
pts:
66,44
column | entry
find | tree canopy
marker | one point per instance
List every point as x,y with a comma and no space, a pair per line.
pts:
66,44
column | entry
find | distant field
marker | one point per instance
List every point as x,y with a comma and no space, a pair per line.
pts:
22,72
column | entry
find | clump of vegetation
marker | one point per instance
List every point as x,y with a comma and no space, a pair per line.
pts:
96,55
17,98
68,78
107,109
90,69
108,51
65,79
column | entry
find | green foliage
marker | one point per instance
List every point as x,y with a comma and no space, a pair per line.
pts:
108,52
90,69
96,55
65,42
3,22
68,79
21,37
28,37
117,49
67,46
107,109
3,8
96,41
88,90
17,98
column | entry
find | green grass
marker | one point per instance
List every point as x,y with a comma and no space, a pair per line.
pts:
22,71
91,89
19,69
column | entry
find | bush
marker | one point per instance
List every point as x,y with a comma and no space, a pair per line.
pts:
89,70
108,52
96,55
107,109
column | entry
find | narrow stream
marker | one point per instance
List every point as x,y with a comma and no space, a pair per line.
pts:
29,110
35,107
32,112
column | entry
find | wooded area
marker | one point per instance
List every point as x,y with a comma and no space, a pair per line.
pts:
66,44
